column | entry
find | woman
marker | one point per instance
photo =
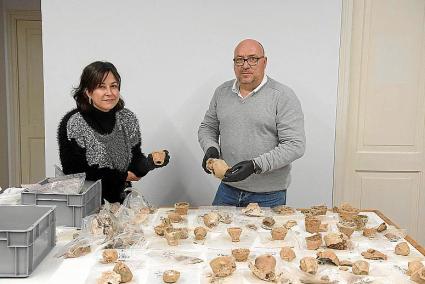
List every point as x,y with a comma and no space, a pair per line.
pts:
101,137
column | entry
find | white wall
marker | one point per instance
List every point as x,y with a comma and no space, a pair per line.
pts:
171,56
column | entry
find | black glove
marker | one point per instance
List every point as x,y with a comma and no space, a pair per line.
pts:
211,152
240,171
151,165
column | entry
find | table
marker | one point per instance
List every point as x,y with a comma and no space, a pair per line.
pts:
156,256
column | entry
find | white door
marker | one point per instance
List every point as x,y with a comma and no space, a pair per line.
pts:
381,163
31,104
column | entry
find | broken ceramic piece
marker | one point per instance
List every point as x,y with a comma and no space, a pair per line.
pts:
347,212
268,223
122,269
77,251
109,255
175,217
360,267
158,157
217,167
253,209
360,221
418,276
211,219
223,266
323,228
402,249
172,237
314,242
346,228
170,276
336,241
288,225
287,254
283,210
309,265
382,227
200,233
109,277
369,232
279,233
326,257
374,254
413,266
264,267
312,224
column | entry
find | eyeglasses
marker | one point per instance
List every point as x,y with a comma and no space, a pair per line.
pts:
252,60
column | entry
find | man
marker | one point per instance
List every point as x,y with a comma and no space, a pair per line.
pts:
260,126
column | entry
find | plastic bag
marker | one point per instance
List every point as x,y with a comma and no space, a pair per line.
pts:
69,184
136,201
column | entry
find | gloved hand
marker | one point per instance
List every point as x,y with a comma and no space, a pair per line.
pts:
240,171
152,165
211,152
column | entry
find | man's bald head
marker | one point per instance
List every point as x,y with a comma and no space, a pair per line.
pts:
251,43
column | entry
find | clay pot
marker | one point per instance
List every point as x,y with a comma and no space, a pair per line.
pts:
240,254
287,253
418,276
181,208
264,267
309,265
279,233
170,276
124,271
336,241
313,242
312,224
109,255
347,212
413,266
158,157
402,249
200,233
223,266
374,254
319,209
218,167
175,217
211,219
360,267
172,237
360,221
183,233
327,256
346,229
235,233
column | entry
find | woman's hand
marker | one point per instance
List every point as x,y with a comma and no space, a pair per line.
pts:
132,177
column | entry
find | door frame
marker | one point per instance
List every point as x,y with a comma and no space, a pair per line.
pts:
12,91
343,97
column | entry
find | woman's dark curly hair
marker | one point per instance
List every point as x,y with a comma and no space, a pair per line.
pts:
93,75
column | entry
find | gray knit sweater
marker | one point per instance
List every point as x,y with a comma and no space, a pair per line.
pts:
267,126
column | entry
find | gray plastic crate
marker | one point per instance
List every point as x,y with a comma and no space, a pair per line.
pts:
70,208
27,235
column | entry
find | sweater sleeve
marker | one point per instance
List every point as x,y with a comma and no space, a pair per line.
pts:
290,132
209,131
138,165
73,160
